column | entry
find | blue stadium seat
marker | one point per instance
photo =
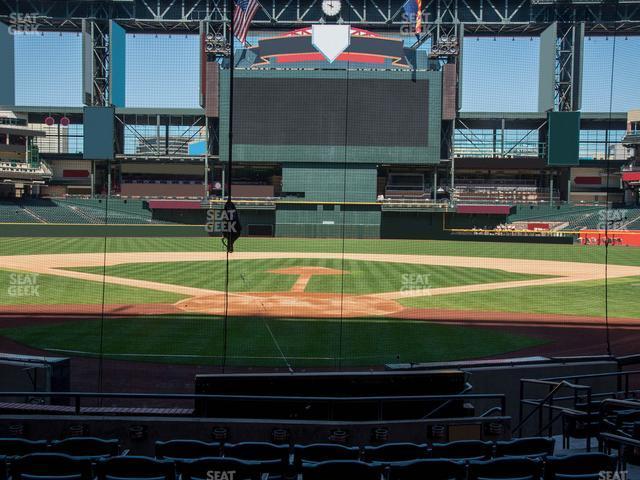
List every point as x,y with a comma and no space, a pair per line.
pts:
581,466
200,469
433,469
89,447
186,449
19,446
3,467
526,447
395,452
341,470
322,452
277,455
506,468
463,450
51,466
117,468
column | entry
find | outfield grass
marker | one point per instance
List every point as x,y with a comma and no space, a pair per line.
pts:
579,298
54,290
259,342
534,251
362,277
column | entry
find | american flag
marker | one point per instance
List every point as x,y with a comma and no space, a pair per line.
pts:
243,13
413,11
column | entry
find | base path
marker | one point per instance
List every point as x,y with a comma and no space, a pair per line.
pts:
297,302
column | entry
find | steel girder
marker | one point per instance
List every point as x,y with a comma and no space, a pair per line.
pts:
476,17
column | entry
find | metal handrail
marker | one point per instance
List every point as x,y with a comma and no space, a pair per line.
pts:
380,400
540,404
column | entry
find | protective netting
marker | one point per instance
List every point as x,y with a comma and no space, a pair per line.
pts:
396,206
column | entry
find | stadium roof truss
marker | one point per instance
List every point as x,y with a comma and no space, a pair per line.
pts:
477,17
561,25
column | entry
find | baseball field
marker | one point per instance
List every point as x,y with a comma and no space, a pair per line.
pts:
302,303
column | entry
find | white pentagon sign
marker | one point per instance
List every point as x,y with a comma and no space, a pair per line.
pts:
331,40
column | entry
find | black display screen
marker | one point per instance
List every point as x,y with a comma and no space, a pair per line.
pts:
321,111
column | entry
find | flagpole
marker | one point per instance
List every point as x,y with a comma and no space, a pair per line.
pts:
225,327
231,68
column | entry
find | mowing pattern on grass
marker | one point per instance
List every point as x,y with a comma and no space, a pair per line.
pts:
361,277
566,253
259,342
579,298
54,290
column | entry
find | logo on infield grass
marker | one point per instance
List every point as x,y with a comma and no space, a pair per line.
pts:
23,285
416,281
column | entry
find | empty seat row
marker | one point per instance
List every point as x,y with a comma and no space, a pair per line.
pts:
76,446
53,466
189,449
391,452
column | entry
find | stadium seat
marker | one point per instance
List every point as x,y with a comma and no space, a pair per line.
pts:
526,447
117,468
19,446
322,452
507,468
581,466
51,466
463,450
90,447
199,469
186,449
395,452
273,457
432,469
3,467
341,470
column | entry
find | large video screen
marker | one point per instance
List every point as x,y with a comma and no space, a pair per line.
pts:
323,111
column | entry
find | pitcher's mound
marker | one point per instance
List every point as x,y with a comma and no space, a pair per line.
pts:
308,271
291,305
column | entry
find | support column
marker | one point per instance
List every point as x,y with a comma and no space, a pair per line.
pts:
96,63
560,75
206,159
435,184
7,60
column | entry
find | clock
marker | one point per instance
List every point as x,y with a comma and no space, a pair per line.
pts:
331,8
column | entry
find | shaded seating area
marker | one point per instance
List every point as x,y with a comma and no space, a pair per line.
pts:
86,458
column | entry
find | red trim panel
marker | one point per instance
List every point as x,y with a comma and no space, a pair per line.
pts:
631,176
174,204
75,173
485,209
318,57
588,181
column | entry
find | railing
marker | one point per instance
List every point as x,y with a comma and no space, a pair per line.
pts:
572,382
332,402
549,402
